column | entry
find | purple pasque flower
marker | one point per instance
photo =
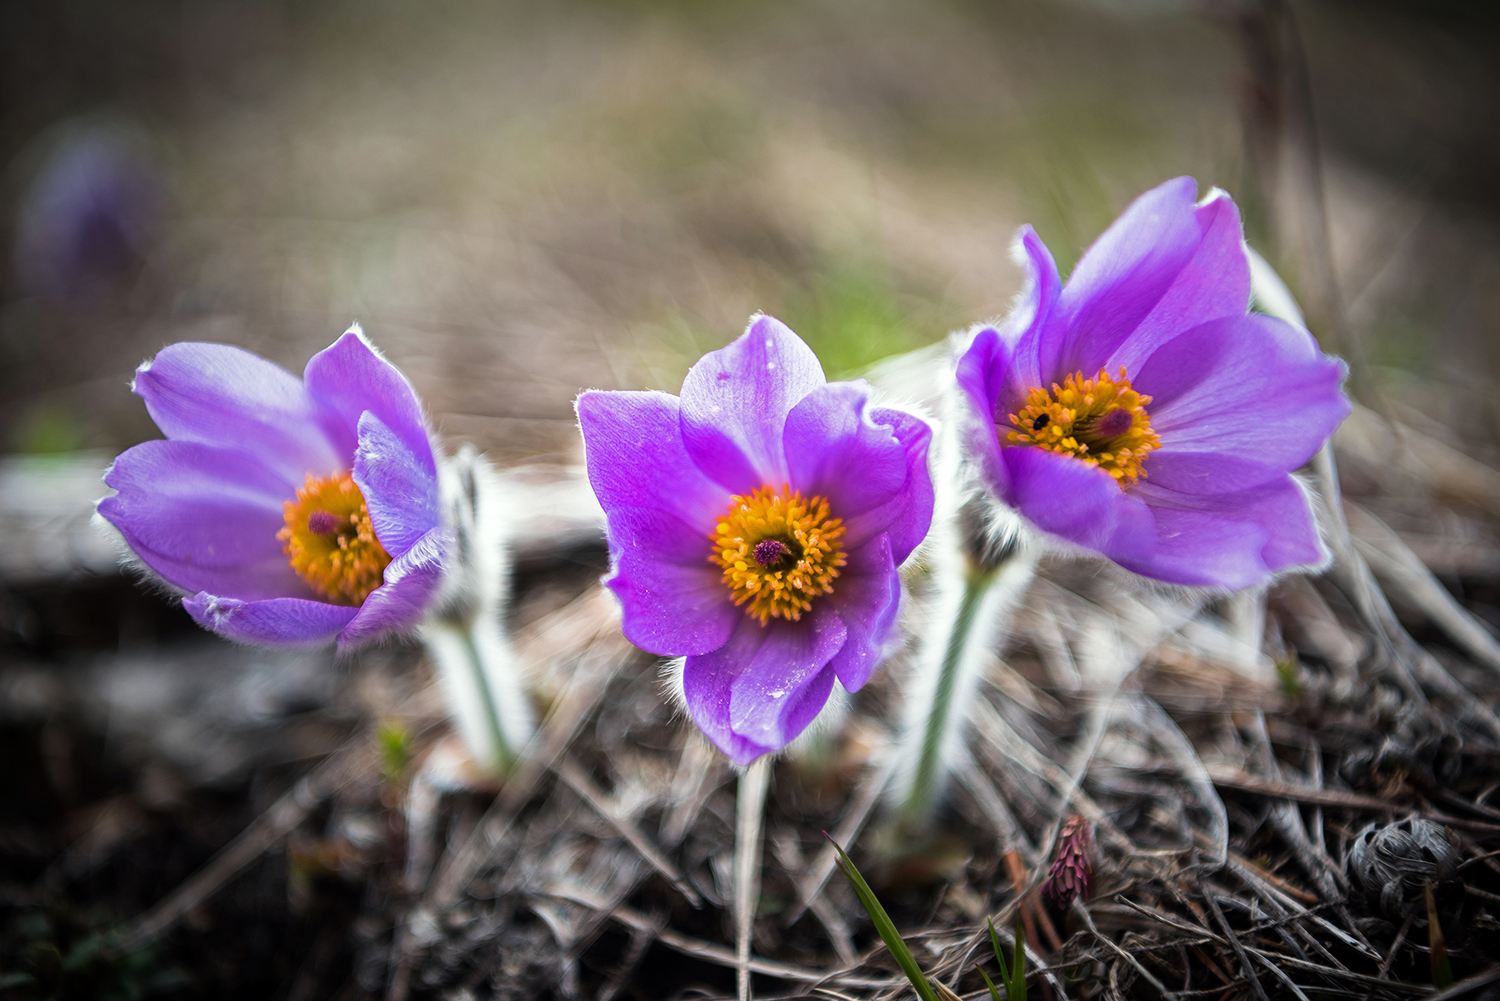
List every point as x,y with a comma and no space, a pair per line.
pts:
292,511
755,526
87,220
1143,412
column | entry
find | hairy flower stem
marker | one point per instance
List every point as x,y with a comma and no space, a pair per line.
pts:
750,810
973,604
479,675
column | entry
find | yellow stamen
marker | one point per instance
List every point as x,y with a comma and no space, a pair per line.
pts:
782,580
1100,420
330,542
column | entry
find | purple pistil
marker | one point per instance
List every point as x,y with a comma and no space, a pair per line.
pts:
769,551
1108,425
322,522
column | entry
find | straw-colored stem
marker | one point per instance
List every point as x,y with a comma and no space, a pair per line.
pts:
750,812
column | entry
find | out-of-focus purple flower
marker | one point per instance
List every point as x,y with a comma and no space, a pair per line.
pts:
755,527
293,511
89,215
1142,412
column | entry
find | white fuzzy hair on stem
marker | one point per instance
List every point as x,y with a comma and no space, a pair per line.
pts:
477,664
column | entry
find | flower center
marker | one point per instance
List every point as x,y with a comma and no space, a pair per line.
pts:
779,551
329,541
1100,420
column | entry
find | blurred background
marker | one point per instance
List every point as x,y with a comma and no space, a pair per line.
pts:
521,200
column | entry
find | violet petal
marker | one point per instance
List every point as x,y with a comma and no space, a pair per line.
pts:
1229,540
349,377
1250,388
1214,283
1122,277
215,394
411,581
205,518
867,595
673,599
1079,502
1208,472
906,517
789,656
834,449
633,449
1032,325
735,403
279,622
981,373
400,492
731,691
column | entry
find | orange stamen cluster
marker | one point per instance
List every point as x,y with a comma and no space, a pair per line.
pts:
1100,420
330,542
779,579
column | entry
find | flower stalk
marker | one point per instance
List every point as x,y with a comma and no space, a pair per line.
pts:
477,671
975,594
477,665
750,810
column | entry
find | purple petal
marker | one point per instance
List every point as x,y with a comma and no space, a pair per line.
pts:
204,518
1208,472
982,371
735,403
673,598
214,394
1239,397
349,377
1122,278
1031,326
1214,283
272,622
1002,365
763,687
1079,502
411,582
867,596
834,449
633,450
789,656
906,517
399,489
1228,540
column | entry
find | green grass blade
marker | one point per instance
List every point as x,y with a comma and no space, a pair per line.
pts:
999,956
884,925
994,994
1016,991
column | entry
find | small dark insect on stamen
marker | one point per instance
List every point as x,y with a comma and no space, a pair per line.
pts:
1042,421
